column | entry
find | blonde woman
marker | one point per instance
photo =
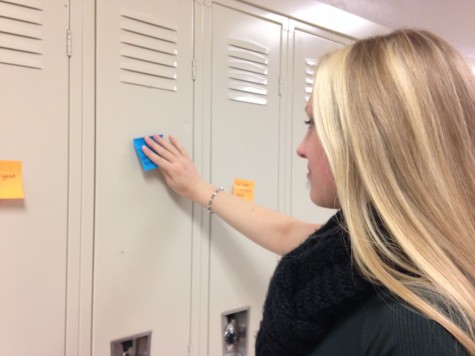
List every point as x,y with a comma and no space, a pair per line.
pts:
391,144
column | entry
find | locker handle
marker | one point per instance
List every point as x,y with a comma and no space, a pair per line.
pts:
231,335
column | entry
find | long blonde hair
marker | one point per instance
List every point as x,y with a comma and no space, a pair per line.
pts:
396,117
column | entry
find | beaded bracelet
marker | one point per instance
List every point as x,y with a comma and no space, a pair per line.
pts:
210,203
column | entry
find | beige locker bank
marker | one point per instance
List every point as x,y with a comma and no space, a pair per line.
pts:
99,257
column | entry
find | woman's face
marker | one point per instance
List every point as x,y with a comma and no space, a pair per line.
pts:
322,184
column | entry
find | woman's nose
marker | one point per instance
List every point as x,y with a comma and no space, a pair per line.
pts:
301,151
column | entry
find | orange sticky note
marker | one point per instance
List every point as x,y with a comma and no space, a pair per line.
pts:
11,184
244,189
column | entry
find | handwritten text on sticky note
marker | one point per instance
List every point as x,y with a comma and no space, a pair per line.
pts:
244,189
11,185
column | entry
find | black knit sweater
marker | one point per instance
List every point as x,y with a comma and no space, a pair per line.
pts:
312,286
384,325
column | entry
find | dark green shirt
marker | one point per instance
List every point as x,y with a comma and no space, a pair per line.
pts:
383,326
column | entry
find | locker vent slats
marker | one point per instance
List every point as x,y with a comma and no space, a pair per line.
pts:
309,77
21,35
148,51
247,72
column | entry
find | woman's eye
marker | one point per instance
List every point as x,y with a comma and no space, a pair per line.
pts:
309,122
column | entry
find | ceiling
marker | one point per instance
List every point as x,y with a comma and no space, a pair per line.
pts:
453,20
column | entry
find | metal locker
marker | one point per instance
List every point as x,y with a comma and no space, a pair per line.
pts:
246,124
142,266
34,130
308,45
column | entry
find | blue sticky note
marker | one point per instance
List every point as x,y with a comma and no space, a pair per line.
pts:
147,164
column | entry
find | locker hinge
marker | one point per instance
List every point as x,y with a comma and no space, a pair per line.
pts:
193,69
69,40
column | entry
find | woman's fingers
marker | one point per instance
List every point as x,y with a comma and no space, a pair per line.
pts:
170,156
153,156
167,145
180,149
160,148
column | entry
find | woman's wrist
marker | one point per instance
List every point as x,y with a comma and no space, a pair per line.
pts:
210,201
203,194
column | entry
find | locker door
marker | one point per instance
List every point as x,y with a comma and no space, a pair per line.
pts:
142,268
34,130
245,143
308,46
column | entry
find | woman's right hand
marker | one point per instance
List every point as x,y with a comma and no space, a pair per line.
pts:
178,169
